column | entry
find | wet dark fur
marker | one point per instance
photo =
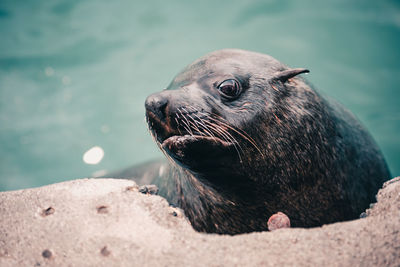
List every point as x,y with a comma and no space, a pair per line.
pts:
293,151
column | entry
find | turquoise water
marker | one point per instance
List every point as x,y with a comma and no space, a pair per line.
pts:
75,74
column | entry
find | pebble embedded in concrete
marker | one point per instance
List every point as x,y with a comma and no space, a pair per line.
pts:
48,211
47,254
105,251
149,189
102,209
278,220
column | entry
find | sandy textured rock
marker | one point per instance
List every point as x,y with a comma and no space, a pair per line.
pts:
107,222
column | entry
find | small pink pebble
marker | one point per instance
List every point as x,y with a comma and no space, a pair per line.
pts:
278,220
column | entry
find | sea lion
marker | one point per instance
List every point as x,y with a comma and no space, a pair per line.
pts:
246,137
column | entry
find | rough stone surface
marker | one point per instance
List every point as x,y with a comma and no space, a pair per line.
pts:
107,222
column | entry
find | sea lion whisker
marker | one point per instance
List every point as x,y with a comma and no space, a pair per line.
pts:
221,129
199,123
185,110
185,126
189,119
221,120
227,137
152,134
188,130
177,126
196,128
203,121
224,132
221,132
200,129
241,133
186,123
206,129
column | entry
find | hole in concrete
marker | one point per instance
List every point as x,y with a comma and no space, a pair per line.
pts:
102,209
47,254
105,251
48,211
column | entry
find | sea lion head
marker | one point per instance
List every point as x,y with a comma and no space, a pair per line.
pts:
218,115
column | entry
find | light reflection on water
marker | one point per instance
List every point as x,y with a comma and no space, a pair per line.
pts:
75,74
93,156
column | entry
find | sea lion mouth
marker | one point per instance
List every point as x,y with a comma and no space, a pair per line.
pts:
197,150
182,147
170,135
180,142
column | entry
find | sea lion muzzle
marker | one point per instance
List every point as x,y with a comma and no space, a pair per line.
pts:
157,104
185,133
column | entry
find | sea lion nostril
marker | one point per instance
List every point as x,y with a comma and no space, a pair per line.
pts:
157,104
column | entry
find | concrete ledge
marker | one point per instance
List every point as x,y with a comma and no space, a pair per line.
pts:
107,222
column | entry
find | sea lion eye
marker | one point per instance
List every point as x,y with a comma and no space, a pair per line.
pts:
230,88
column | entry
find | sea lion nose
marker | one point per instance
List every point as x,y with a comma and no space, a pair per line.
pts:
157,104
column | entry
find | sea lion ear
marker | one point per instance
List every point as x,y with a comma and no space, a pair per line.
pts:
285,75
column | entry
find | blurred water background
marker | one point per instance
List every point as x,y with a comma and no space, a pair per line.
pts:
75,74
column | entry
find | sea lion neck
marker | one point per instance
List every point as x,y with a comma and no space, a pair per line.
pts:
228,212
